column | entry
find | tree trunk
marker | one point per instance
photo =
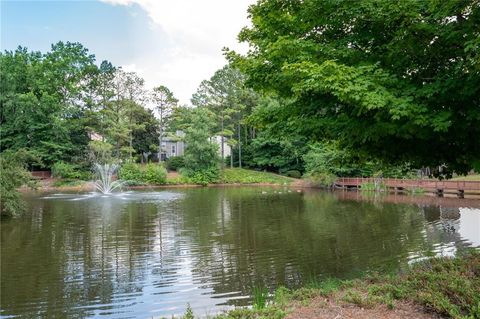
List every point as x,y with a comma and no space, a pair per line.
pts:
222,142
239,145
160,137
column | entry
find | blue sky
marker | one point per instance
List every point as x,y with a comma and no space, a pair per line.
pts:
176,43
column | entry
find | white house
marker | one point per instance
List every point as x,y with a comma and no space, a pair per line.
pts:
174,145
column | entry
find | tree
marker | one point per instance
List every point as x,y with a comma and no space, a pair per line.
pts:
165,102
201,159
13,174
145,137
128,95
42,103
396,81
225,94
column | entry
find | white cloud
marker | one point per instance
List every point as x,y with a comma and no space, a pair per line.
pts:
196,31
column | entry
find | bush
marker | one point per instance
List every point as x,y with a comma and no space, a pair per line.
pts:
203,177
293,173
69,171
174,163
135,174
131,173
13,174
323,179
154,174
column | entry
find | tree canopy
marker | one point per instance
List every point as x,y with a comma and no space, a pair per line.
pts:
394,80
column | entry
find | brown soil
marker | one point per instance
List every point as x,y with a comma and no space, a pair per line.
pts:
331,308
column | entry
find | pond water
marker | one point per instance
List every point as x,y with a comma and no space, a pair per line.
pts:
146,254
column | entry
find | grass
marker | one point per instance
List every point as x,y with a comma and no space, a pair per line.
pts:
467,178
416,191
447,286
372,187
67,182
260,295
245,176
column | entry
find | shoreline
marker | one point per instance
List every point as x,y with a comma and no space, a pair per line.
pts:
437,287
298,184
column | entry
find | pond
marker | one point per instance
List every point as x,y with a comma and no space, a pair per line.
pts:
146,254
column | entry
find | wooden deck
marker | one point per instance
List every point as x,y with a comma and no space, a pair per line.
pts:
428,185
41,174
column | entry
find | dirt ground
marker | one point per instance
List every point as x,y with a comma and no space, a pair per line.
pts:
327,308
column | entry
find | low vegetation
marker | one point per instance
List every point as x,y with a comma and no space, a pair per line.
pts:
446,286
149,174
245,176
13,175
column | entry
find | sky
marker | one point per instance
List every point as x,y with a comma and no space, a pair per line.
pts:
176,43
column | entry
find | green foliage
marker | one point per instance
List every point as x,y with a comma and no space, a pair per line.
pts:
373,187
244,176
400,84
67,182
229,100
201,159
174,163
99,152
145,135
41,101
154,174
278,144
12,176
131,172
203,176
260,296
69,171
188,313
293,173
136,174
165,103
448,286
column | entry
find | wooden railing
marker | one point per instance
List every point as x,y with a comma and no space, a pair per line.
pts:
411,183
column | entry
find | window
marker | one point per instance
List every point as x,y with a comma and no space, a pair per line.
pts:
173,149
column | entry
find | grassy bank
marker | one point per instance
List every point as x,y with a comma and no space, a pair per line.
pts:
245,176
447,287
467,178
236,176
229,176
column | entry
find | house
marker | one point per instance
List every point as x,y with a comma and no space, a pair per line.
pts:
227,150
173,145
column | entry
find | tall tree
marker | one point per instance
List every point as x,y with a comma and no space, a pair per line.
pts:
165,102
41,101
221,94
128,93
395,80
145,137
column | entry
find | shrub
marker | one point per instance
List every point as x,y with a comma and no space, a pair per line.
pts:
154,174
293,173
13,174
135,174
323,179
260,295
203,177
69,171
373,187
131,173
174,163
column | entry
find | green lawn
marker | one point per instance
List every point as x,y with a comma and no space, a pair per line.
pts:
246,176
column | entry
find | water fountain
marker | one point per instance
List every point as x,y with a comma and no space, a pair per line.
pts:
105,183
